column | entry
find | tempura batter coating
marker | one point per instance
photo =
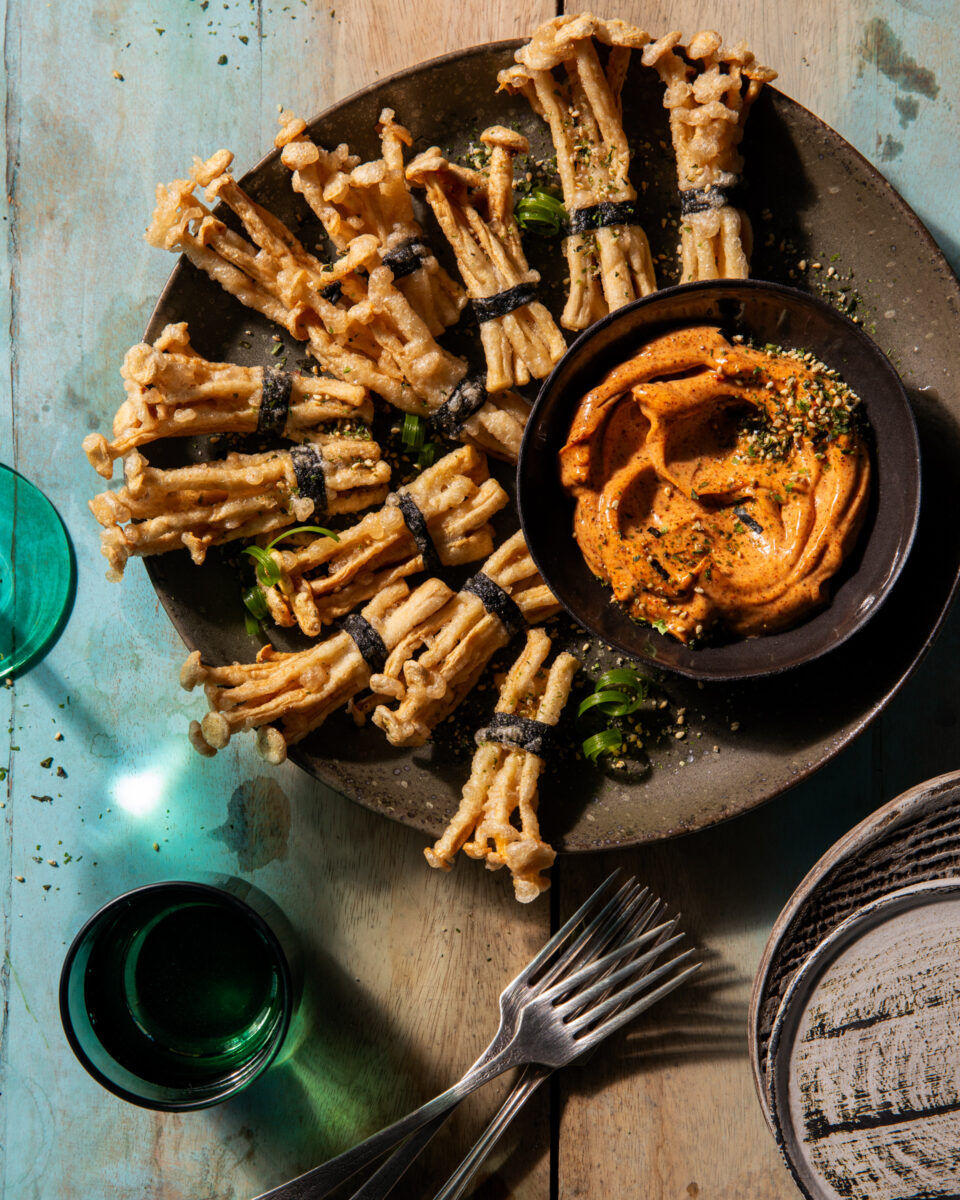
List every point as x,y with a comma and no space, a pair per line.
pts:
352,198
709,92
240,496
322,579
366,333
456,644
285,696
497,818
172,391
475,212
609,258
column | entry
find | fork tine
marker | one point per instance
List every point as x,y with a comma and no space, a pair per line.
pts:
574,983
595,936
564,932
615,1004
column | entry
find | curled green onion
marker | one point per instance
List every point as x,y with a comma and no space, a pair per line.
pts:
268,571
414,431
607,741
612,703
303,529
251,624
256,603
428,454
541,213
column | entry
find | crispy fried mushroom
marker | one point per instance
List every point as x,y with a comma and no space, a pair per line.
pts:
353,198
497,818
709,92
608,256
475,212
442,517
172,391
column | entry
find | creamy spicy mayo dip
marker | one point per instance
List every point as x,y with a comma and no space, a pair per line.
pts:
717,483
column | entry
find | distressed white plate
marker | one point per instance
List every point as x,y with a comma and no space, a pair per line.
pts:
864,1055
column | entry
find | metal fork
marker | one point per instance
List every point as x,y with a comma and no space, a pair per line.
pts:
530,1079
637,911
601,912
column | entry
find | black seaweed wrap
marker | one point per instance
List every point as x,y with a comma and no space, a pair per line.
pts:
496,601
747,519
406,257
698,200
490,307
598,216
524,733
308,468
467,398
275,393
416,523
367,640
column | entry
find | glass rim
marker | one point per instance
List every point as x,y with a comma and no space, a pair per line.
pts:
231,1085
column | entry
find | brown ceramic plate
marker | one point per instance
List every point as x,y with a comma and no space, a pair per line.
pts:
768,313
824,202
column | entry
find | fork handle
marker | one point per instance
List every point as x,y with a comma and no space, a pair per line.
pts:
524,1088
323,1179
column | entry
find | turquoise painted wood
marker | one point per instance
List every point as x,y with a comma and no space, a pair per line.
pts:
101,102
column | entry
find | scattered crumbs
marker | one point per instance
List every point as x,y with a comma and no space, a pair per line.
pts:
156,847
116,75
46,887
222,60
61,773
734,726
42,799
19,879
46,762
58,736
52,862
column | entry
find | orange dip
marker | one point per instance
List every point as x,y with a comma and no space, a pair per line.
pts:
717,483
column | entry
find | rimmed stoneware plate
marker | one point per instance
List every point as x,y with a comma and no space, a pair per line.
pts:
768,313
914,839
824,202
864,1070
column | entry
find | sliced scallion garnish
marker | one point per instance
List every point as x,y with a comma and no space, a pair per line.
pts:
612,703
268,571
607,741
303,529
414,431
541,213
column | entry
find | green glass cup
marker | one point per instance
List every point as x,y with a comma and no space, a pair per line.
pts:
177,995
37,577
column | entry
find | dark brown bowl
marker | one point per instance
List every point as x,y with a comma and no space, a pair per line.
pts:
767,312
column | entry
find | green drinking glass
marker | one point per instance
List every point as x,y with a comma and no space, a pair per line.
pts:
36,573
177,995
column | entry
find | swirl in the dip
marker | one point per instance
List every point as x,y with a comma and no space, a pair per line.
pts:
717,483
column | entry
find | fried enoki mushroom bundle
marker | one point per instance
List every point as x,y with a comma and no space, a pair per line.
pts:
457,643
240,496
475,212
363,329
497,818
172,391
352,198
441,518
285,696
607,252
709,92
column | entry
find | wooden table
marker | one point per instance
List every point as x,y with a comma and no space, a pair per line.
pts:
102,102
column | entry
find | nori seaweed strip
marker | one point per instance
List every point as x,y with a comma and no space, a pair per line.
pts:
598,216
367,640
750,522
524,733
698,200
496,601
274,402
333,291
490,307
406,257
420,533
308,468
660,570
468,397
